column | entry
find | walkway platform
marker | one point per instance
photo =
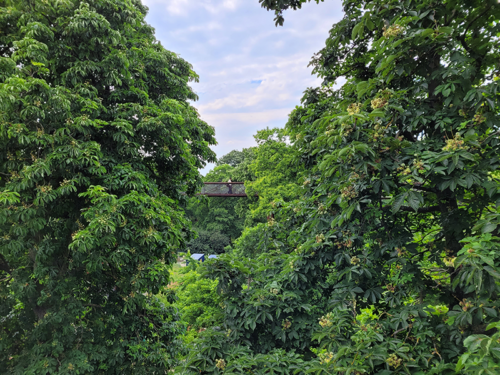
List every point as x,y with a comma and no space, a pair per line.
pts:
224,189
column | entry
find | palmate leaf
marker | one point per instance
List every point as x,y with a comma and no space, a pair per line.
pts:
398,201
415,199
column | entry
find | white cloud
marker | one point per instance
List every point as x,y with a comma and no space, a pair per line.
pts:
209,26
184,7
231,43
224,120
282,82
230,4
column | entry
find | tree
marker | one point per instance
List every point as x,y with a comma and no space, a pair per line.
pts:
216,214
233,158
198,300
97,142
222,216
269,170
208,242
240,161
398,226
276,172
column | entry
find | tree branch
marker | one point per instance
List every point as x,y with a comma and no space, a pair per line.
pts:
461,38
476,18
421,210
93,305
416,186
428,190
4,265
491,135
401,329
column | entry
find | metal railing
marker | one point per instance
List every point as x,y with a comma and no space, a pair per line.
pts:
223,189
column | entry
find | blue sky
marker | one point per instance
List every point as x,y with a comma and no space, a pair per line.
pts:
252,74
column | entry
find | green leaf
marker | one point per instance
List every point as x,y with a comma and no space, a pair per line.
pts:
488,227
425,32
357,30
415,199
369,23
491,187
398,202
461,362
490,311
386,185
493,272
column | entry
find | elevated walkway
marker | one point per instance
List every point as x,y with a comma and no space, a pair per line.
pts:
223,189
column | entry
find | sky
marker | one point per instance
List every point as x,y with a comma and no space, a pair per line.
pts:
252,73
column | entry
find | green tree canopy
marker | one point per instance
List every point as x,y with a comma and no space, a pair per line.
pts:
233,158
219,215
97,142
276,172
208,242
269,171
279,6
394,248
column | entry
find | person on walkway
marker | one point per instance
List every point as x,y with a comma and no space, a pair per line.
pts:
230,186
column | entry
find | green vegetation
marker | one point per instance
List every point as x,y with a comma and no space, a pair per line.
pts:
386,259
269,173
373,246
217,220
196,300
97,140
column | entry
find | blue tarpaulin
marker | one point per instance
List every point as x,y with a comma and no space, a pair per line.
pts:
198,257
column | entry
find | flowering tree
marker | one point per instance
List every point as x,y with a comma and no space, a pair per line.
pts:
97,142
394,246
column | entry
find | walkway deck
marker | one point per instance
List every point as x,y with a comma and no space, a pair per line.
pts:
224,189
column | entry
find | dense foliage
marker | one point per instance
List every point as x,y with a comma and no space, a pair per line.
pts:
369,243
276,172
196,300
208,242
218,220
389,263
269,173
97,142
